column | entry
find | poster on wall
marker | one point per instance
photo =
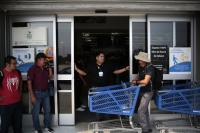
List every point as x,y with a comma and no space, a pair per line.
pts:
158,55
179,60
23,36
25,58
48,51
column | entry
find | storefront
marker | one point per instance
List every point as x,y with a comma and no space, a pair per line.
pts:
66,29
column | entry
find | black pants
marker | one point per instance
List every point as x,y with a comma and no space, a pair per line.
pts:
78,91
11,113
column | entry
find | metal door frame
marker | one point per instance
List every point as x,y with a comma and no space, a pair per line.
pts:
68,119
173,18
27,118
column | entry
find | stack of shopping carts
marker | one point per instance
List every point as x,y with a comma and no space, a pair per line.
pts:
114,99
183,99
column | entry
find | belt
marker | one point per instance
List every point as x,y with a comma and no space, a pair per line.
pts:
42,90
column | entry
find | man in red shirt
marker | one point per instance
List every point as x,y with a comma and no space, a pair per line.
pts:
10,97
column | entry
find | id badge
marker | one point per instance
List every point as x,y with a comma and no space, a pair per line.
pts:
100,74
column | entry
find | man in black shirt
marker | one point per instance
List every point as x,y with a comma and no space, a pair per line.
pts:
145,76
79,82
100,73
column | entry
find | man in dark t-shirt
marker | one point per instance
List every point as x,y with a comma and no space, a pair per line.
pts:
79,82
145,76
100,73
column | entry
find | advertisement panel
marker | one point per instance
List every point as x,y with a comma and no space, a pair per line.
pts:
159,56
23,36
25,58
179,60
48,51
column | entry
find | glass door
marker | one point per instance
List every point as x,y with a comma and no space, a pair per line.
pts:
23,31
138,41
168,37
166,32
65,71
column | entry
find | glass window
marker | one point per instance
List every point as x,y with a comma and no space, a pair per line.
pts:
25,98
161,35
64,48
64,103
25,58
139,41
64,84
183,34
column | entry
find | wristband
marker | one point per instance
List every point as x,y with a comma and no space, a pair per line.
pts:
137,82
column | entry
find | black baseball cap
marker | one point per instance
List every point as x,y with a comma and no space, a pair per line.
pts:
40,55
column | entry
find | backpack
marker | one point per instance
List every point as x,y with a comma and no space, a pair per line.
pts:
157,80
2,76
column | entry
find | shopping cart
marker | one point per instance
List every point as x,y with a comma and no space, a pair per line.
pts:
116,99
183,99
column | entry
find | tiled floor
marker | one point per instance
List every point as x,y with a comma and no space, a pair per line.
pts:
82,127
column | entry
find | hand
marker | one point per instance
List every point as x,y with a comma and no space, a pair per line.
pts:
1,98
33,99
132,84
47,64
85,84
127,68
75,68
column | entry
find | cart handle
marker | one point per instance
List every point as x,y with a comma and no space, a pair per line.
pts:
163,91
141,85
93,88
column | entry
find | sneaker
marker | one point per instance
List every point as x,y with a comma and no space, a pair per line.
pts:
80,109
49,129
150,130
38,131
83,106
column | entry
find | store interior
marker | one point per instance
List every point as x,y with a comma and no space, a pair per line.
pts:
107,34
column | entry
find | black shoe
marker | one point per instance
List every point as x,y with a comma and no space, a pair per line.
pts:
150,130
38,131
49,129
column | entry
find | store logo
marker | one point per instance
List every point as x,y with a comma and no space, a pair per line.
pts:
29,35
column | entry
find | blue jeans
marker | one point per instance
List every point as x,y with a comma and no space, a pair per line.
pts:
41,98
11,113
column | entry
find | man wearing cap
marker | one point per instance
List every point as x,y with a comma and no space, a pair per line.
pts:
37,80
145,76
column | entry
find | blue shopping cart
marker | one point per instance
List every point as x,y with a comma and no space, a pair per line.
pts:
116,99
182,98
